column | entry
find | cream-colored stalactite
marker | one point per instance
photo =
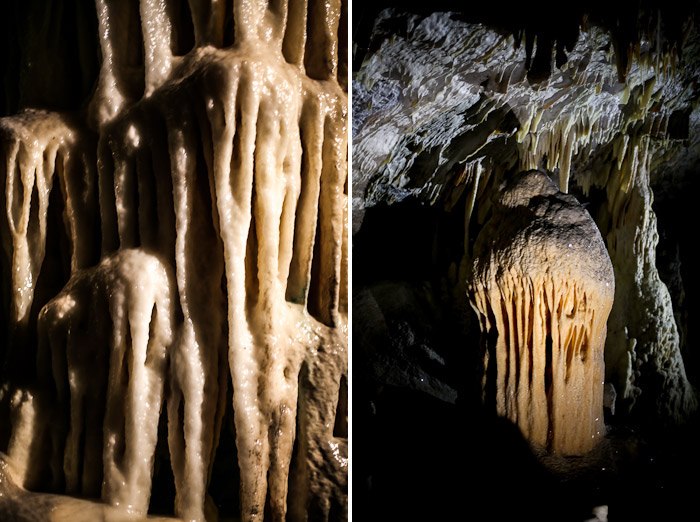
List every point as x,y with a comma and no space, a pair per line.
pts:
198,376
542,285
246,120
104,341
157,46
249,118
258,207
232,166
148,172
560,140
118,81
39,149
26,422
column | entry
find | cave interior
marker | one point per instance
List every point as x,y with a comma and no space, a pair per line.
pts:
450,103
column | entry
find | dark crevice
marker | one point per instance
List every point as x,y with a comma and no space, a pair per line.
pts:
298,469
226,481
107,200
507,346
251,255
317,61
293,35
548,388
228,24
163,489
80,464
182,37
314,305
340,426
148,204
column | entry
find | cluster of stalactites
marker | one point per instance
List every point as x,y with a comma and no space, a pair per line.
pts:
228,171
42,150
643,350
308,35
570,135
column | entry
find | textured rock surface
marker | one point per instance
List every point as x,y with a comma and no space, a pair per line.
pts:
401,341
542,284
200,202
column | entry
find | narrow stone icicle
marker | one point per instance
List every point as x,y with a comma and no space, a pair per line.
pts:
40,148
542,285
197,364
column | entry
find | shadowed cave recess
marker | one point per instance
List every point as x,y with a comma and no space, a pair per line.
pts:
174,260
525,301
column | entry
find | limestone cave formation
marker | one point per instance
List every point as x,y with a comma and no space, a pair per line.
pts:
542,284
174,260
525,292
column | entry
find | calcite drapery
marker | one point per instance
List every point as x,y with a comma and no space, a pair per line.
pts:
543,285
225,165
111,324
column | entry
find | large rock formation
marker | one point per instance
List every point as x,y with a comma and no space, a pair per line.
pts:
202,195
542,284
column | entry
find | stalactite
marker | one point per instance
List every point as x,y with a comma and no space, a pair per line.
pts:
643,336
39,149
542,285
222,184
102,364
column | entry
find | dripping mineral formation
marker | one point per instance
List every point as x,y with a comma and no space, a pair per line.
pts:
188,230
543,285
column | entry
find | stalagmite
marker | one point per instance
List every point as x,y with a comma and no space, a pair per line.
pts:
221,177
542,285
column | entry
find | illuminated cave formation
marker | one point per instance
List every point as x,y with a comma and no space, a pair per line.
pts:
543,287
441,124
198,211
581,338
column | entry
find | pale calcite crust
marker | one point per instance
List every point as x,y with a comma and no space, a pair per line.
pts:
113,322
542,284
218,188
